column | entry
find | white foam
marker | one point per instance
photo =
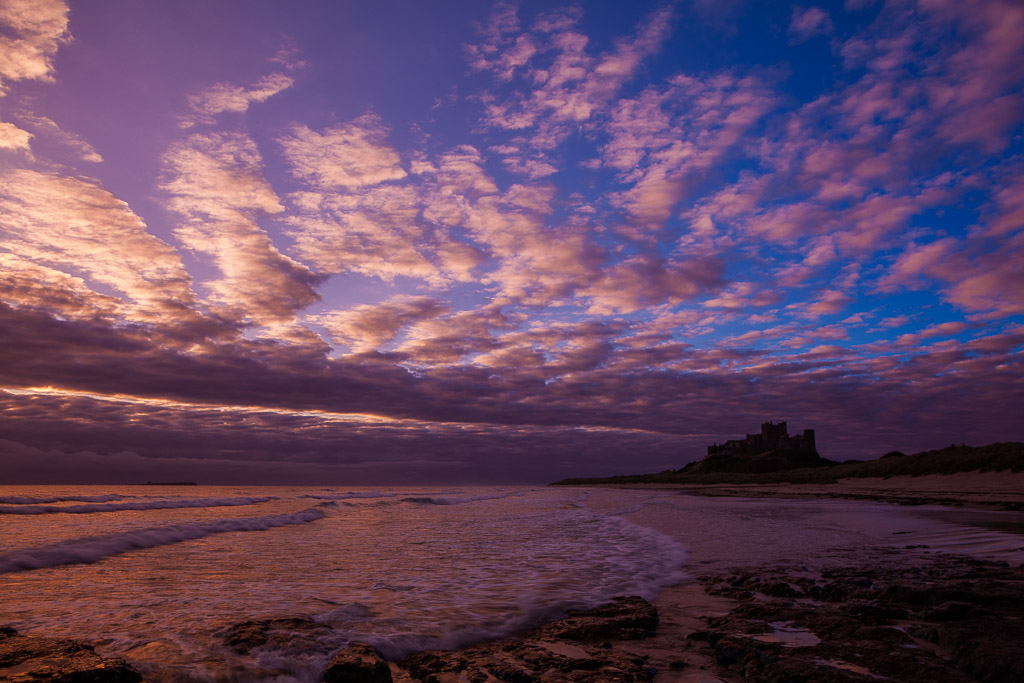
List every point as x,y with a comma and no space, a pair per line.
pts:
28,500
350,494
626,559
93,549
457,500
134,505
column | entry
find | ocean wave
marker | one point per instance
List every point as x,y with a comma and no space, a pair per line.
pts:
350,494
456,500
28,500
135,505
610,557
94,549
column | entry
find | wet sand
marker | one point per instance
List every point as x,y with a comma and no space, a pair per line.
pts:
988,490
887,533
864,580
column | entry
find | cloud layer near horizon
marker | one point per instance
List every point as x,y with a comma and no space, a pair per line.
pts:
594,247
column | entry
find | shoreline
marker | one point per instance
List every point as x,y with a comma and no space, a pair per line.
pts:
983,490
895,616
785,582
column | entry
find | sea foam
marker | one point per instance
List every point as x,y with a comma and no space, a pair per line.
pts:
28,500
95,548
349,495
457,500
134,505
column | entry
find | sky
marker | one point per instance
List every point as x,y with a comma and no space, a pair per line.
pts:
264,242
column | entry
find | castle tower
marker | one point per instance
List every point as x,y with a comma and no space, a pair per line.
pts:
772,432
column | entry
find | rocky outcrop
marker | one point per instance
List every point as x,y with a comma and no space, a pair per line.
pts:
27,658
576,648
358,663
276,634
948,619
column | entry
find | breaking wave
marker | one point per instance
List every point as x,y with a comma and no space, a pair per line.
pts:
28,500
350,494
93,549
612,557
455,500
135,505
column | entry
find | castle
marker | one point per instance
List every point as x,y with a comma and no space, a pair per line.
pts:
773,437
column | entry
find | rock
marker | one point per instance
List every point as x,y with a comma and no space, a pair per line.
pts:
279,634
948,611
575,649
971,609
625,619
989,650
28,658
358,663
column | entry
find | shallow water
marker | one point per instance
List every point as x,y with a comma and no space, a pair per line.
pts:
158,574
724,532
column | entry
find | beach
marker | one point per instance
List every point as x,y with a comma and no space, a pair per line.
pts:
809,583
764,549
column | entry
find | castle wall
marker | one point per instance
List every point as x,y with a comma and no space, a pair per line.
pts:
773,437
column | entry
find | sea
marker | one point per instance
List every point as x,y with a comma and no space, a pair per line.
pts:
159,575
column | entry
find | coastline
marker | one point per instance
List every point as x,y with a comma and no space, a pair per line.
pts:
858,608
785,582
984,490
930,536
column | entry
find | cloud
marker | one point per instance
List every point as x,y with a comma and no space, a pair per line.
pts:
938,330
27,285
450,339
49,129
373,231
598,267
232,98
215,182
78,226
808,23
344,156
569,89
664,141
644,281
13,138
37,29
987,283
367,327
500,50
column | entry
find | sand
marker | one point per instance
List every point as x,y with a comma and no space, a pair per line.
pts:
992,490
807,531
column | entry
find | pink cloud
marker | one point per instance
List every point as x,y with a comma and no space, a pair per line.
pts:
570,88
367,327
808,23
663,141
13,138
344,156
37,29
233,98
216,183
77,226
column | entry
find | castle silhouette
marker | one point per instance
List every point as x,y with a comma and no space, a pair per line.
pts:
773,437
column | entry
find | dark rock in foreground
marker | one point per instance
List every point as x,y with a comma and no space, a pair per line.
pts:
358,663
951,619
574,648
276,634
27,658
625,619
